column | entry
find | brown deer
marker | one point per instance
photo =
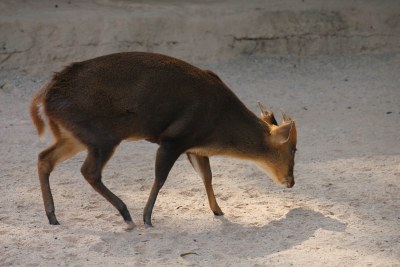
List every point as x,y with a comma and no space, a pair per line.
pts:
95,104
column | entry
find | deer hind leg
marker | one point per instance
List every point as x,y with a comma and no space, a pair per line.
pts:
92,168
202,167
64,147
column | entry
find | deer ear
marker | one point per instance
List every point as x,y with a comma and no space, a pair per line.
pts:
293,133
270,118
285,132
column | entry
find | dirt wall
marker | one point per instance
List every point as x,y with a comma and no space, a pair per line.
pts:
46,35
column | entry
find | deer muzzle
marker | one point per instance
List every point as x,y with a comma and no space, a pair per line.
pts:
289,182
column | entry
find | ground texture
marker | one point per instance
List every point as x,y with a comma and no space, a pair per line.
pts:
343,211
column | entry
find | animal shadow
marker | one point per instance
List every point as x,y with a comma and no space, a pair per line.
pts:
230,240
296,227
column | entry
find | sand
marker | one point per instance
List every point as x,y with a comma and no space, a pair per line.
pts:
343,211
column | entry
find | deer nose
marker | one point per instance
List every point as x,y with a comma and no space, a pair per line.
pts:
289,182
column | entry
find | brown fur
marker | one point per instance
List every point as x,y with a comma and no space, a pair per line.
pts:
95,104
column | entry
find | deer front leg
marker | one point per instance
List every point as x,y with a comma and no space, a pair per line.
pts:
202,167
167,154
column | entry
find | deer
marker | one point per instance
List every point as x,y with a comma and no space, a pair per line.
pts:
94,105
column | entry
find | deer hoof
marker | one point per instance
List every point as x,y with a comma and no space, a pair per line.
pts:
130,226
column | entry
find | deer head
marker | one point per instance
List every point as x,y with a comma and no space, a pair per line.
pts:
282,140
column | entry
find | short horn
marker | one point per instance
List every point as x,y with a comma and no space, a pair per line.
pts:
286,118
262,109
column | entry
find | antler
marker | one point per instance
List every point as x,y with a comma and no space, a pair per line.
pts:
262,109
267,116
286,118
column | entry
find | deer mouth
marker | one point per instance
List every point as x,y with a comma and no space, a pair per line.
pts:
289,182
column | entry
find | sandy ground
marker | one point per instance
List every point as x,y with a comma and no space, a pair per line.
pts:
343,211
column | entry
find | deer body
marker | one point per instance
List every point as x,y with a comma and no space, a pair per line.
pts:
95,104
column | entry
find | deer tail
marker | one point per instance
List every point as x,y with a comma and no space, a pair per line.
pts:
36,112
